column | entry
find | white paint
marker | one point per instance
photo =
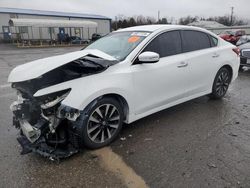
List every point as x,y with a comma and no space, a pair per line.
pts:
147,88
39,67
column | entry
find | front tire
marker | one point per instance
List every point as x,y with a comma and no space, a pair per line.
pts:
100,124
221,83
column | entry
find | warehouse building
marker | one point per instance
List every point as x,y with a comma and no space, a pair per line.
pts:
37,25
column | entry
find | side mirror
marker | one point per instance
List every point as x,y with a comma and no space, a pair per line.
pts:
149,57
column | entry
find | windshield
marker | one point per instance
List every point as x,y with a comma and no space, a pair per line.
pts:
120,44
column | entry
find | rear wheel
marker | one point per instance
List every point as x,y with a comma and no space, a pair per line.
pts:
221,83
101,124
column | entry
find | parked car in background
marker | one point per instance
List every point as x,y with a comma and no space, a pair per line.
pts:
63,37
96,36
243,39
77,40
244,46
81,99
232,36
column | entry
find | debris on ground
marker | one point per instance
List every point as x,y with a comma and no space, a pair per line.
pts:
130,135
123,138
93,156
211,165
148,139
232,134
130,152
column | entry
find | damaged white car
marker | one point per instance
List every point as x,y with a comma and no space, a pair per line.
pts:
81,99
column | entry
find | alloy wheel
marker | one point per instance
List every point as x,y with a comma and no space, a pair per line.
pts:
222,83
103,123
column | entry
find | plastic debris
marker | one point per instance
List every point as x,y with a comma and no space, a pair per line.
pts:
123,138
148,139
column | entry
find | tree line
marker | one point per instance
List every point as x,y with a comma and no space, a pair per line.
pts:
122,21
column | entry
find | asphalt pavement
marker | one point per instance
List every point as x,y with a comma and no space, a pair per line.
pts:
201,143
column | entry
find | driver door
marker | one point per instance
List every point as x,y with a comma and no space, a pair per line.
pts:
161,83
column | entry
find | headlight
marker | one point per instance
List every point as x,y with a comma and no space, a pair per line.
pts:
53,99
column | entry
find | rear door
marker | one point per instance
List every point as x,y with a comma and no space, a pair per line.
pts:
202,57
158,84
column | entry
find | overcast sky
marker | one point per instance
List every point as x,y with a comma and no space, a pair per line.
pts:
111,8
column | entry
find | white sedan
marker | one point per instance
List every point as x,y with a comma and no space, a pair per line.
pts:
81,99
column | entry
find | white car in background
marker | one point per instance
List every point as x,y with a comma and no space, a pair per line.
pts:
244,46
81,99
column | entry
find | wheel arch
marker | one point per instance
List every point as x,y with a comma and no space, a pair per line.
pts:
122,101
227,66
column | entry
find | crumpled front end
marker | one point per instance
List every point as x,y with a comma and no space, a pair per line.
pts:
45,124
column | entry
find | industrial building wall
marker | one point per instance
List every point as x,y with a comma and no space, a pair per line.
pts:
44,31
4,21
103,27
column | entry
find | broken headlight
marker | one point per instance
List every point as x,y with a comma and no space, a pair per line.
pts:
51,100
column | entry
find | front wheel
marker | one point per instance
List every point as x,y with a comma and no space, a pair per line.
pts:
100,124
221,83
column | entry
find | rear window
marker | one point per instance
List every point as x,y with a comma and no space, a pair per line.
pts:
195,40
213,40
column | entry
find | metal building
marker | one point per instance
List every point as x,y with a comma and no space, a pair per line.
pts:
35,25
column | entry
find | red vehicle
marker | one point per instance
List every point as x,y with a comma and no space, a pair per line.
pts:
232,36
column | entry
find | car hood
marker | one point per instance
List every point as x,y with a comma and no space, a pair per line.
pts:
39,67
244,46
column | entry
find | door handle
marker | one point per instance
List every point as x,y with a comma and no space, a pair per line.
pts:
215,55
182,64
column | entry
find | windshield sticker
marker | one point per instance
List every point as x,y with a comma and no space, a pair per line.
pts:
140,34
133,39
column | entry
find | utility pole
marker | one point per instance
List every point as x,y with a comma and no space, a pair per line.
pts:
116,22
158,16
232,14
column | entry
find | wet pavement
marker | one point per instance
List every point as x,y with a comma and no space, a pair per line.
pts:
201,143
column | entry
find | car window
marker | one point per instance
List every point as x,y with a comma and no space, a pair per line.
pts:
213,40
194,40
166,44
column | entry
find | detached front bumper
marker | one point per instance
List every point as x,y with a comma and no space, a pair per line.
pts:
42,148
48,136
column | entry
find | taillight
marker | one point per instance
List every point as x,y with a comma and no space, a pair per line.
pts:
236,50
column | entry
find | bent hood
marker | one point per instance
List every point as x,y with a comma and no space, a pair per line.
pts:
37,68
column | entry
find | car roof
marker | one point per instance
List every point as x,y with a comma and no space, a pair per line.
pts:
152,28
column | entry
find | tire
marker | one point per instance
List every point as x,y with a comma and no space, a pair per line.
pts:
221,83
100,124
